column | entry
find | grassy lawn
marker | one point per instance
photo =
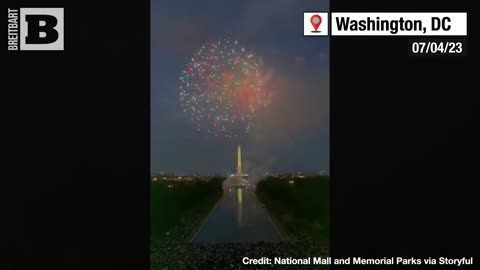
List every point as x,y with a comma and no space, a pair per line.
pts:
301,207
178,207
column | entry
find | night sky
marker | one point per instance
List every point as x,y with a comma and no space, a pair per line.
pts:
292,135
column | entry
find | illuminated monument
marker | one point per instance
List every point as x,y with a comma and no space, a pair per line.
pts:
239,160
240,182
237,179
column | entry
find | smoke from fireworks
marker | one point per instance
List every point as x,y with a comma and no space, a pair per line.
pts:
222,88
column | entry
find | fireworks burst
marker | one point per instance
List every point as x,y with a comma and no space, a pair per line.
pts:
222,88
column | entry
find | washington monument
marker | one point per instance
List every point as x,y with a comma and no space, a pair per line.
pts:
239,160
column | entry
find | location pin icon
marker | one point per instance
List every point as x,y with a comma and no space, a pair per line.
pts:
316,20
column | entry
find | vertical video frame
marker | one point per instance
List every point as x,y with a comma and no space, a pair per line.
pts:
239,134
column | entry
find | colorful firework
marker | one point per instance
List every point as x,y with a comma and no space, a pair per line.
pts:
222,88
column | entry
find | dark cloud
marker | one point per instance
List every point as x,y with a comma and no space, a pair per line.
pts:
181,35
299,111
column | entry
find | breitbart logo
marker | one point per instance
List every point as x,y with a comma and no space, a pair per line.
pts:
35,29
